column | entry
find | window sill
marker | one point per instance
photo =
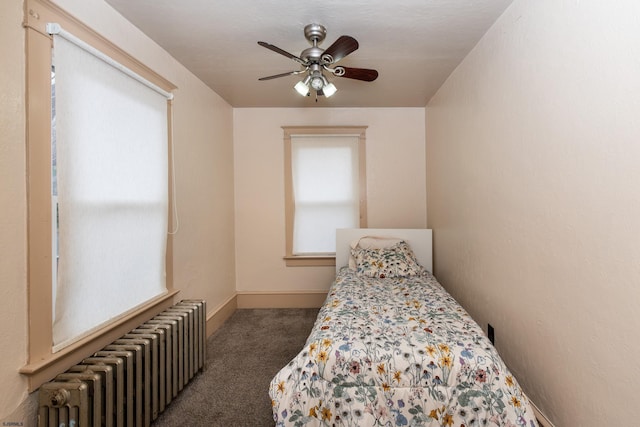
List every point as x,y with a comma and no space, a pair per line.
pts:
310,261
45,368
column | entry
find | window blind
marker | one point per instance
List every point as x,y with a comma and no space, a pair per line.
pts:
111,146
325,190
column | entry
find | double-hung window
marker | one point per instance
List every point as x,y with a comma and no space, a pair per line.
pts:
111,195
325,189
99,170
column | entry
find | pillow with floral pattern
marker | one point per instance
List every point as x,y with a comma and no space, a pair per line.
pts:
395,261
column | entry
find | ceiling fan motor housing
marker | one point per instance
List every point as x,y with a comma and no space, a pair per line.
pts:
312,54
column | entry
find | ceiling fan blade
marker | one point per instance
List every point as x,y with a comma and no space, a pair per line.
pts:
363,74
341,48
275,76
281,52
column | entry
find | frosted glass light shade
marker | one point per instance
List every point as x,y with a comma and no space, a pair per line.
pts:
302,88
317,82
329,90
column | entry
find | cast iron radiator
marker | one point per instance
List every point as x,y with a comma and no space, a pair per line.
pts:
132,380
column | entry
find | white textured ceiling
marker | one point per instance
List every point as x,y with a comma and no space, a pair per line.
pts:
414,44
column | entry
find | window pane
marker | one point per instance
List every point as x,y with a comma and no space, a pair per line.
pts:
325,190
315,226
323,173
112,167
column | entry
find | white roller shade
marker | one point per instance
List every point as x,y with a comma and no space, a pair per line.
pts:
325,190
112,174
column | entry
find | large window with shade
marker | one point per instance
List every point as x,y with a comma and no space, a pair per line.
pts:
325,189
99,191
110,192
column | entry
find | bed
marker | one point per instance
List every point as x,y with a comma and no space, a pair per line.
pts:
390,347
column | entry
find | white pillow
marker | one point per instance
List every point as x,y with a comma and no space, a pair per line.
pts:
371,242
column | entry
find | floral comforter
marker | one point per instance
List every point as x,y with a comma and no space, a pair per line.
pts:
396,352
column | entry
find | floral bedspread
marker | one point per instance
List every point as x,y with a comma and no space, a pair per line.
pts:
396,352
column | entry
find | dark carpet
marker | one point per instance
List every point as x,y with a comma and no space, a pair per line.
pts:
242,358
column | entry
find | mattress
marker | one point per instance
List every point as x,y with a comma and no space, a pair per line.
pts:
396,352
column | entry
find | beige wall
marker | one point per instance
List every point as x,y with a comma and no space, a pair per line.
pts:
533,194
395,186
13,250
203,133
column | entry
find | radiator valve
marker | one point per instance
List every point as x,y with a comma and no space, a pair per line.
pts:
60,397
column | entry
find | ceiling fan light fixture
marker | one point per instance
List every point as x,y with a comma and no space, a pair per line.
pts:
329,90
302,87
317,82
316,60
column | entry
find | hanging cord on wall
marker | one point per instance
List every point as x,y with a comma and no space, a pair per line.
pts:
174,193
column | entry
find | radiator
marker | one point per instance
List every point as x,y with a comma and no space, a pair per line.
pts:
132,380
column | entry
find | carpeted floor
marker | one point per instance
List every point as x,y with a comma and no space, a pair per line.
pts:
242,357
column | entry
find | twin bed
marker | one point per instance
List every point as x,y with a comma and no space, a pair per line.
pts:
390,347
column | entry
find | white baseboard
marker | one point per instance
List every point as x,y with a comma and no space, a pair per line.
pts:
306,299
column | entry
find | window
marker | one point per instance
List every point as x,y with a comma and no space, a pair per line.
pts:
325,189
109,143
105,186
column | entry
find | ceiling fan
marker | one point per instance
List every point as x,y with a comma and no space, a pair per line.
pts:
315,60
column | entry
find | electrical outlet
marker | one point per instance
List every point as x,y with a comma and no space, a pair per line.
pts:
491,334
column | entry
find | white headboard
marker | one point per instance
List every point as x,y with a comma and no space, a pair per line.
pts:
420,240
